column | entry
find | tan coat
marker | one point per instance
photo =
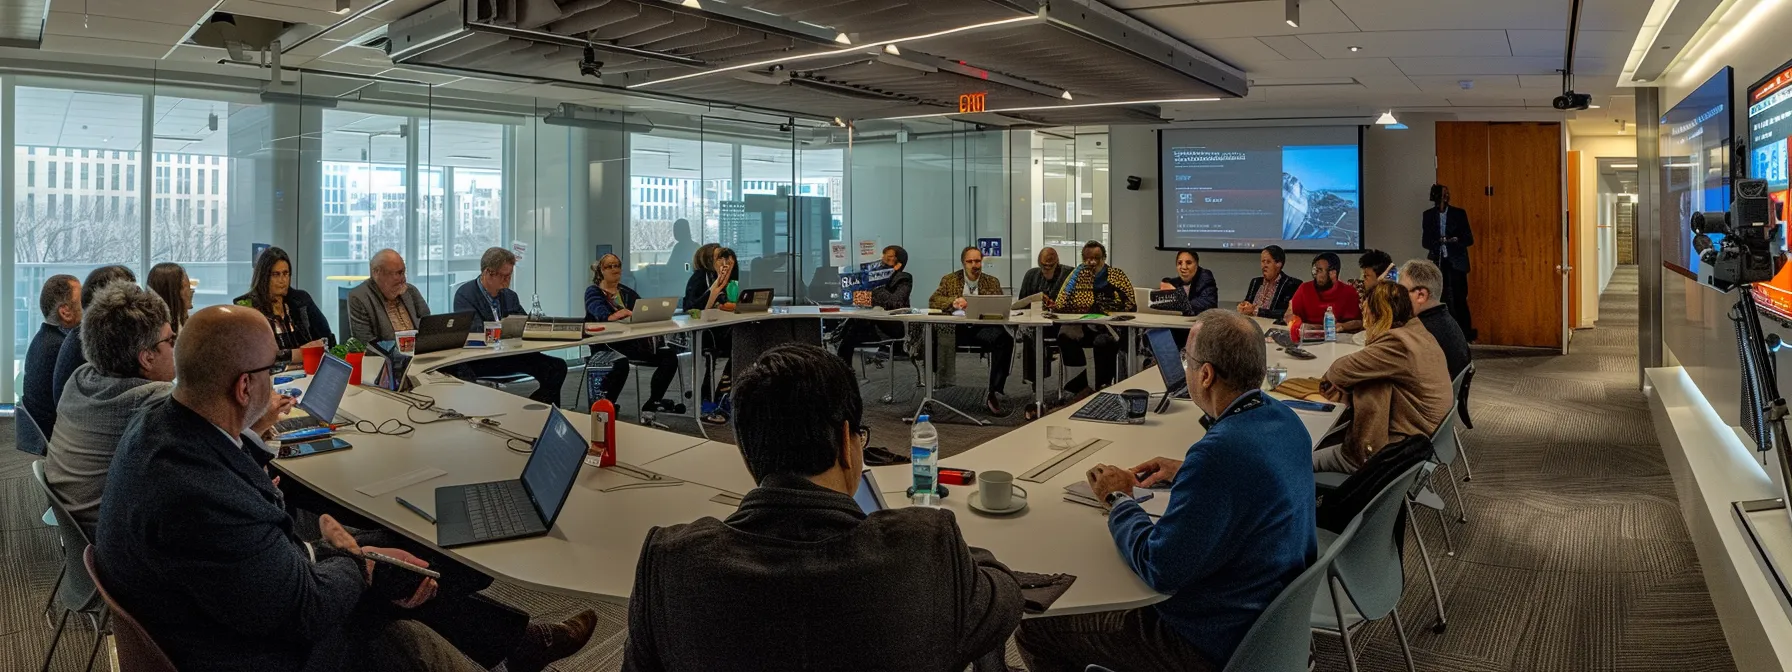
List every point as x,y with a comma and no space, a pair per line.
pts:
1398,386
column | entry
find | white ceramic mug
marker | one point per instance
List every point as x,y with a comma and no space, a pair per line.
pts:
997,489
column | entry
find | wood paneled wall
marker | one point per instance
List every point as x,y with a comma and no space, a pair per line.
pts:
1508,177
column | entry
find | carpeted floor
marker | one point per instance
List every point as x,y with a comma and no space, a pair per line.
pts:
1574,557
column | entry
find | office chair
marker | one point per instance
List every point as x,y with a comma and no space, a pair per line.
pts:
137,651
76,589
1366,573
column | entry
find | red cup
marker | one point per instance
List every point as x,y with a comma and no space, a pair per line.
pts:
314,356
354,363
493,330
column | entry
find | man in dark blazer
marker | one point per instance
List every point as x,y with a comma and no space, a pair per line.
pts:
195,543
1447,237
800,577
70,356
60,302
491,300
385,303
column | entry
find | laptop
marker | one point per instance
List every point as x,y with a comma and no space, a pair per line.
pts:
754,301
870,499
321,397
1169,364
511,327
444,331
391,375
476,513
653,310
995,306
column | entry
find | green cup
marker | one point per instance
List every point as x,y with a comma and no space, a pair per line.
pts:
733,291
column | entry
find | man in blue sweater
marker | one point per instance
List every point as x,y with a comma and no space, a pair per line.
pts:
1239,527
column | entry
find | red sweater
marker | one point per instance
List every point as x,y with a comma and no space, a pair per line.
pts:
1309,303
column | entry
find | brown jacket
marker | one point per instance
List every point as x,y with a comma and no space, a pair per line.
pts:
1398,385
952,287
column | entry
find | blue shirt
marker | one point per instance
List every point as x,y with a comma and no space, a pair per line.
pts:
1240,525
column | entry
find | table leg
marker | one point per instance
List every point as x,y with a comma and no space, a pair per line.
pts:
1132,351
927,374
1039,369
697,371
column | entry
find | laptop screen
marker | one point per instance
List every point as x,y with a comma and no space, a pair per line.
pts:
548,477
1169,359
867,496
325,392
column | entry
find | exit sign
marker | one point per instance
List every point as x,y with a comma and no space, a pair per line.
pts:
972,102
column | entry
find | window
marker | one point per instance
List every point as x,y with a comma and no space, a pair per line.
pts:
83,174
68,174
215,177
30,174
115,176
52,181
130,176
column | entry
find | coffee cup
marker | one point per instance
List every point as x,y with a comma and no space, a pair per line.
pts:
493,330
407,341
997,488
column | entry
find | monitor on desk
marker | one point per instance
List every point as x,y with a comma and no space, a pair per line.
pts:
1169,364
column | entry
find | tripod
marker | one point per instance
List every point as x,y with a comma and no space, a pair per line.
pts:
1764,409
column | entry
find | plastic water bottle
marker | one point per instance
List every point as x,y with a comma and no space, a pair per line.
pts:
924,456
1331,326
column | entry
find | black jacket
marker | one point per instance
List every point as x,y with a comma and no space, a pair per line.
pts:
40,372
696,289
1034,282
471,296
194,542
1458,229
1200,293
1449,336
1278,305
1338,507
799,578
69,357
895,291
308,321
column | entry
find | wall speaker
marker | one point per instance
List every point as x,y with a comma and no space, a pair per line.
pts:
1133,182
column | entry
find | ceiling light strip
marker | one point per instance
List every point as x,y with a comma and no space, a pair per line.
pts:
1035,108
874,46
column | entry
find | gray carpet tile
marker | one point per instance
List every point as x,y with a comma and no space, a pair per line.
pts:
1574,558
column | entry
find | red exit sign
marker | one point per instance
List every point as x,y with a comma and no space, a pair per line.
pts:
972,102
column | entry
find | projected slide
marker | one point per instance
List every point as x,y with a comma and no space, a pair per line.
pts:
1244,188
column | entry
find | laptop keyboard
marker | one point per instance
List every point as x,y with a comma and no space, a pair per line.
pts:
1105,407
296,424
489,513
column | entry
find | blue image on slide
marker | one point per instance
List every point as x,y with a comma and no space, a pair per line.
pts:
1319,194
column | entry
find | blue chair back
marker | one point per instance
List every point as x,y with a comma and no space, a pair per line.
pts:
1443,441
28,436
1282,637
1369,562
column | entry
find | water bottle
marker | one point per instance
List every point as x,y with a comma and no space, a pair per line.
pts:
1331,326
924,455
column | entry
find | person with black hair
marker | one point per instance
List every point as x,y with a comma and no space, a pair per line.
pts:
800,558
1093,287
1446,237
1376,267
169,281
891,295
1325,291
60,303
1268,295
1199,291
295,318
71,356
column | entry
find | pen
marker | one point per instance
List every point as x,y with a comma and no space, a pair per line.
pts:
415,509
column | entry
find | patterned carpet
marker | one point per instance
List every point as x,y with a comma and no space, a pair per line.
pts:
1574,558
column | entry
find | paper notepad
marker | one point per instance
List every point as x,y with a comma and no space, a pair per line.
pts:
1146,498
400,481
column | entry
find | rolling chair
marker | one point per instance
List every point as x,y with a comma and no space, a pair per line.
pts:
75,589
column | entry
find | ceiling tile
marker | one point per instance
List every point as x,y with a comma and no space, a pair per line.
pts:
1589,44
112,28
1510,65
88,45
1243,52
177,12
1291,47
1375,15
1621,15
1352,67
1244,19
1452,84
1388,44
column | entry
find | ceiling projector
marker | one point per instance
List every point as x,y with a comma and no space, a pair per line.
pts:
1570,100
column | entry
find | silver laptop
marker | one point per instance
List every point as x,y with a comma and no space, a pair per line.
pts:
513,326
754,301
988,307
653,310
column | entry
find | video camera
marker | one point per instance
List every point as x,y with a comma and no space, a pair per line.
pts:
1749,251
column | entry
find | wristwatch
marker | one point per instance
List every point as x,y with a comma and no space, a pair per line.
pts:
1114,498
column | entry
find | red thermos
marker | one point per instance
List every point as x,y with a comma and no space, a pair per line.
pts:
603,432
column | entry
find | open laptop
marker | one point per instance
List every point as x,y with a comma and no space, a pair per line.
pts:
870,499
988,307
653,310
321,397
511,327
476,513
1169,364
754,301
444,331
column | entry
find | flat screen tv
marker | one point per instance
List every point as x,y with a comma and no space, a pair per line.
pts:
1769,124
1697,137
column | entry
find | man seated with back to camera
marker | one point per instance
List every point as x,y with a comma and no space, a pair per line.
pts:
1424,282
1240,525
799,576
195,544
490,298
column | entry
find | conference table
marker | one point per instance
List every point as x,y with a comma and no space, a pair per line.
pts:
665,478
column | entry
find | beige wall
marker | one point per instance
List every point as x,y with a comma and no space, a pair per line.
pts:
1586,259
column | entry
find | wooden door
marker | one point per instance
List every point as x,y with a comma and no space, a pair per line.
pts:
1515,285
1462,166
1575,240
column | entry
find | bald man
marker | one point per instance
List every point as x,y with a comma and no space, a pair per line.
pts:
194,542
386,302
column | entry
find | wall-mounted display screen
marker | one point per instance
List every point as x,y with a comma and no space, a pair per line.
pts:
1769,126
1696,140
1245,188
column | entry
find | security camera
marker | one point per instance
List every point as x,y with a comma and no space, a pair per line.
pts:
589,66
1570,100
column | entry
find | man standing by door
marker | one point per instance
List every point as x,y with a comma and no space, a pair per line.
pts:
1446,239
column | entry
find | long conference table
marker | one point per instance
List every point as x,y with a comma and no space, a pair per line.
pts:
666,478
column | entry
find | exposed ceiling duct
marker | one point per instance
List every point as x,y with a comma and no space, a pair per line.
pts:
1017,60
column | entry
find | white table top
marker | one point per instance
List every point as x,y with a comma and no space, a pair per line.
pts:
592,550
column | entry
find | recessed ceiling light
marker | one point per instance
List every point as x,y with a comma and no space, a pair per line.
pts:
1355,48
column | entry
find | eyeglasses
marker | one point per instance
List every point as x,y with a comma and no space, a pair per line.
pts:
169,340
864,434
1321,270
271,369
